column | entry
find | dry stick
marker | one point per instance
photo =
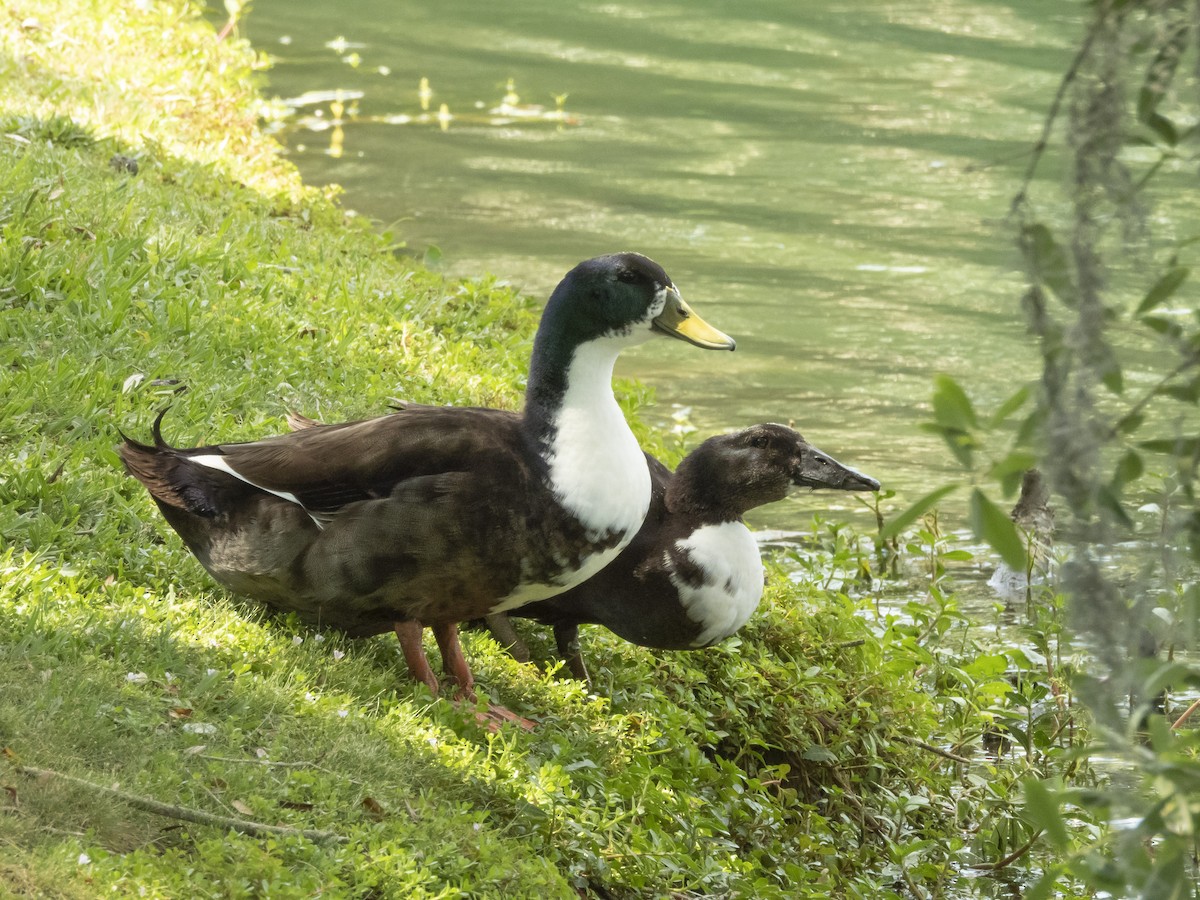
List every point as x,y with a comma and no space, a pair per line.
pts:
187,814
1187,713
1011,858
903,738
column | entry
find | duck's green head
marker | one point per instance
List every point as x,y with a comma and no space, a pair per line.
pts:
628,298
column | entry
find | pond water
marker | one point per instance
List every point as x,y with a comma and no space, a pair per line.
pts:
826,182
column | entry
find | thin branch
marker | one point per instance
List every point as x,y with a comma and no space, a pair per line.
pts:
1012,857
1187,714
1134,410
912,885
1052,115
187,814
905,739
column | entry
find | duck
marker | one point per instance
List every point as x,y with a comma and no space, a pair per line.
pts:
693,575
1034,517
430,516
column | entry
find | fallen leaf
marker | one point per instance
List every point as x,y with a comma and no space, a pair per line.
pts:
242,808
373,808
179,712
12,794
292,804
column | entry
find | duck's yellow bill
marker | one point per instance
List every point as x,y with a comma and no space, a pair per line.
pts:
679,321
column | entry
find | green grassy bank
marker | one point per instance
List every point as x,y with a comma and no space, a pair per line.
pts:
781,763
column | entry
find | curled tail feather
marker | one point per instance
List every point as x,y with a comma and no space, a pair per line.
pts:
165,472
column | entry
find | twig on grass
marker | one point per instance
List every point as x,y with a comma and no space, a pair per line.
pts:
903,738
187,814
1187,714
1011,858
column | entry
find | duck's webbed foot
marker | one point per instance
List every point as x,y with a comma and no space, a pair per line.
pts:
456,667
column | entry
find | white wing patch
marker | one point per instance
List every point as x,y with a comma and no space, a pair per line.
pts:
216,461
733,580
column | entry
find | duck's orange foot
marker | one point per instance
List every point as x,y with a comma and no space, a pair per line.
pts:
494,717
498,715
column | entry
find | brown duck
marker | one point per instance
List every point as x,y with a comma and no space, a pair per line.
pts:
434,515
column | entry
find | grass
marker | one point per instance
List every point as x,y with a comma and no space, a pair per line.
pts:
779,764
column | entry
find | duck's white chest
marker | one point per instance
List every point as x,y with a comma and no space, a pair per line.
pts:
597,470
728,556
599,473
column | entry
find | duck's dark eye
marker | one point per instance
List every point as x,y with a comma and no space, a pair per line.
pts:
761,441
629,276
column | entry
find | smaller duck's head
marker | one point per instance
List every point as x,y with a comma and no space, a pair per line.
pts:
733,473
628,298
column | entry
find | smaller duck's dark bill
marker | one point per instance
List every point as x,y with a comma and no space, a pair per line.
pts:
820,470
679,321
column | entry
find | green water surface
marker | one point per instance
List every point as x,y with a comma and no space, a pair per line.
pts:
827,182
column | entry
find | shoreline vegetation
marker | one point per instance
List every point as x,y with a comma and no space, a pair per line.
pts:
155,248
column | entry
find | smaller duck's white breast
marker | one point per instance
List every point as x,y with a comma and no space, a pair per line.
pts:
733,580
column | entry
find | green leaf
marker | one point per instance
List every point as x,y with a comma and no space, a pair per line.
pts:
989,665
914,512
1164,128
1130,423
1012,468
990,524
951,406
1041,809
1188,393
1008,407
961,443
1048,262
1129,468
1031,425
1181,446
1163,288
1159,325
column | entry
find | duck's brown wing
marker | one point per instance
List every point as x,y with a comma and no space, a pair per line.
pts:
325,468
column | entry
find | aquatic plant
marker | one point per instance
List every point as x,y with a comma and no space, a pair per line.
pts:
1110,419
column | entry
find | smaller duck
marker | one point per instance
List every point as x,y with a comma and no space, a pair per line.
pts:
693,575
1034,518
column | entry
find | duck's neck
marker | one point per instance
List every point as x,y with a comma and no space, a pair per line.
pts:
684,498
596,468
